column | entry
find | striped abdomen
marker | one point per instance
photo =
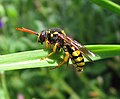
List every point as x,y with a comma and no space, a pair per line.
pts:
76,57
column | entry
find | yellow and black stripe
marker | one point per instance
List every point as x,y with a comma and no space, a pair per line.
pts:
76,57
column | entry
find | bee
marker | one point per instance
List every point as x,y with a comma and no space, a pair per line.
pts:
73,50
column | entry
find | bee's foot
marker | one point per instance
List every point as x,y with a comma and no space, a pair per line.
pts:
42,58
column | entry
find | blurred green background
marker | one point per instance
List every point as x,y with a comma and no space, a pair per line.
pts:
84,21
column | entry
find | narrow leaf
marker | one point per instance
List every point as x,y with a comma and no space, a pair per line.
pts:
109,5
31,59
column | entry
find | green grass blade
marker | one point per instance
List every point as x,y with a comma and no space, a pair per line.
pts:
104,51
109,5
30,59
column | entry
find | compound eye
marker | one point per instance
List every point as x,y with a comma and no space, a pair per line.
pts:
42,37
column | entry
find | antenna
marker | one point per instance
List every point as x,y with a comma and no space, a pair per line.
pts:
27,30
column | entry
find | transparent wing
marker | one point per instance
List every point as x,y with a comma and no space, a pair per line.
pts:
87,53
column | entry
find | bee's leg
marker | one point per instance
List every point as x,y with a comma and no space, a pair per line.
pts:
66,59
47,43
54,50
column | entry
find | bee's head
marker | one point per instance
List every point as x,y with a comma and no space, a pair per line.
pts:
42,36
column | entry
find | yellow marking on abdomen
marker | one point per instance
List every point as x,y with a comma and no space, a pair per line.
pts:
76,53
78,59
79,68
80,64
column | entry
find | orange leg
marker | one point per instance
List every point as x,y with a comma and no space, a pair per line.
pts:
54,50
66,60
48,45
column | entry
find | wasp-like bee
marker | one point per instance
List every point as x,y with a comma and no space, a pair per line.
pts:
72,49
